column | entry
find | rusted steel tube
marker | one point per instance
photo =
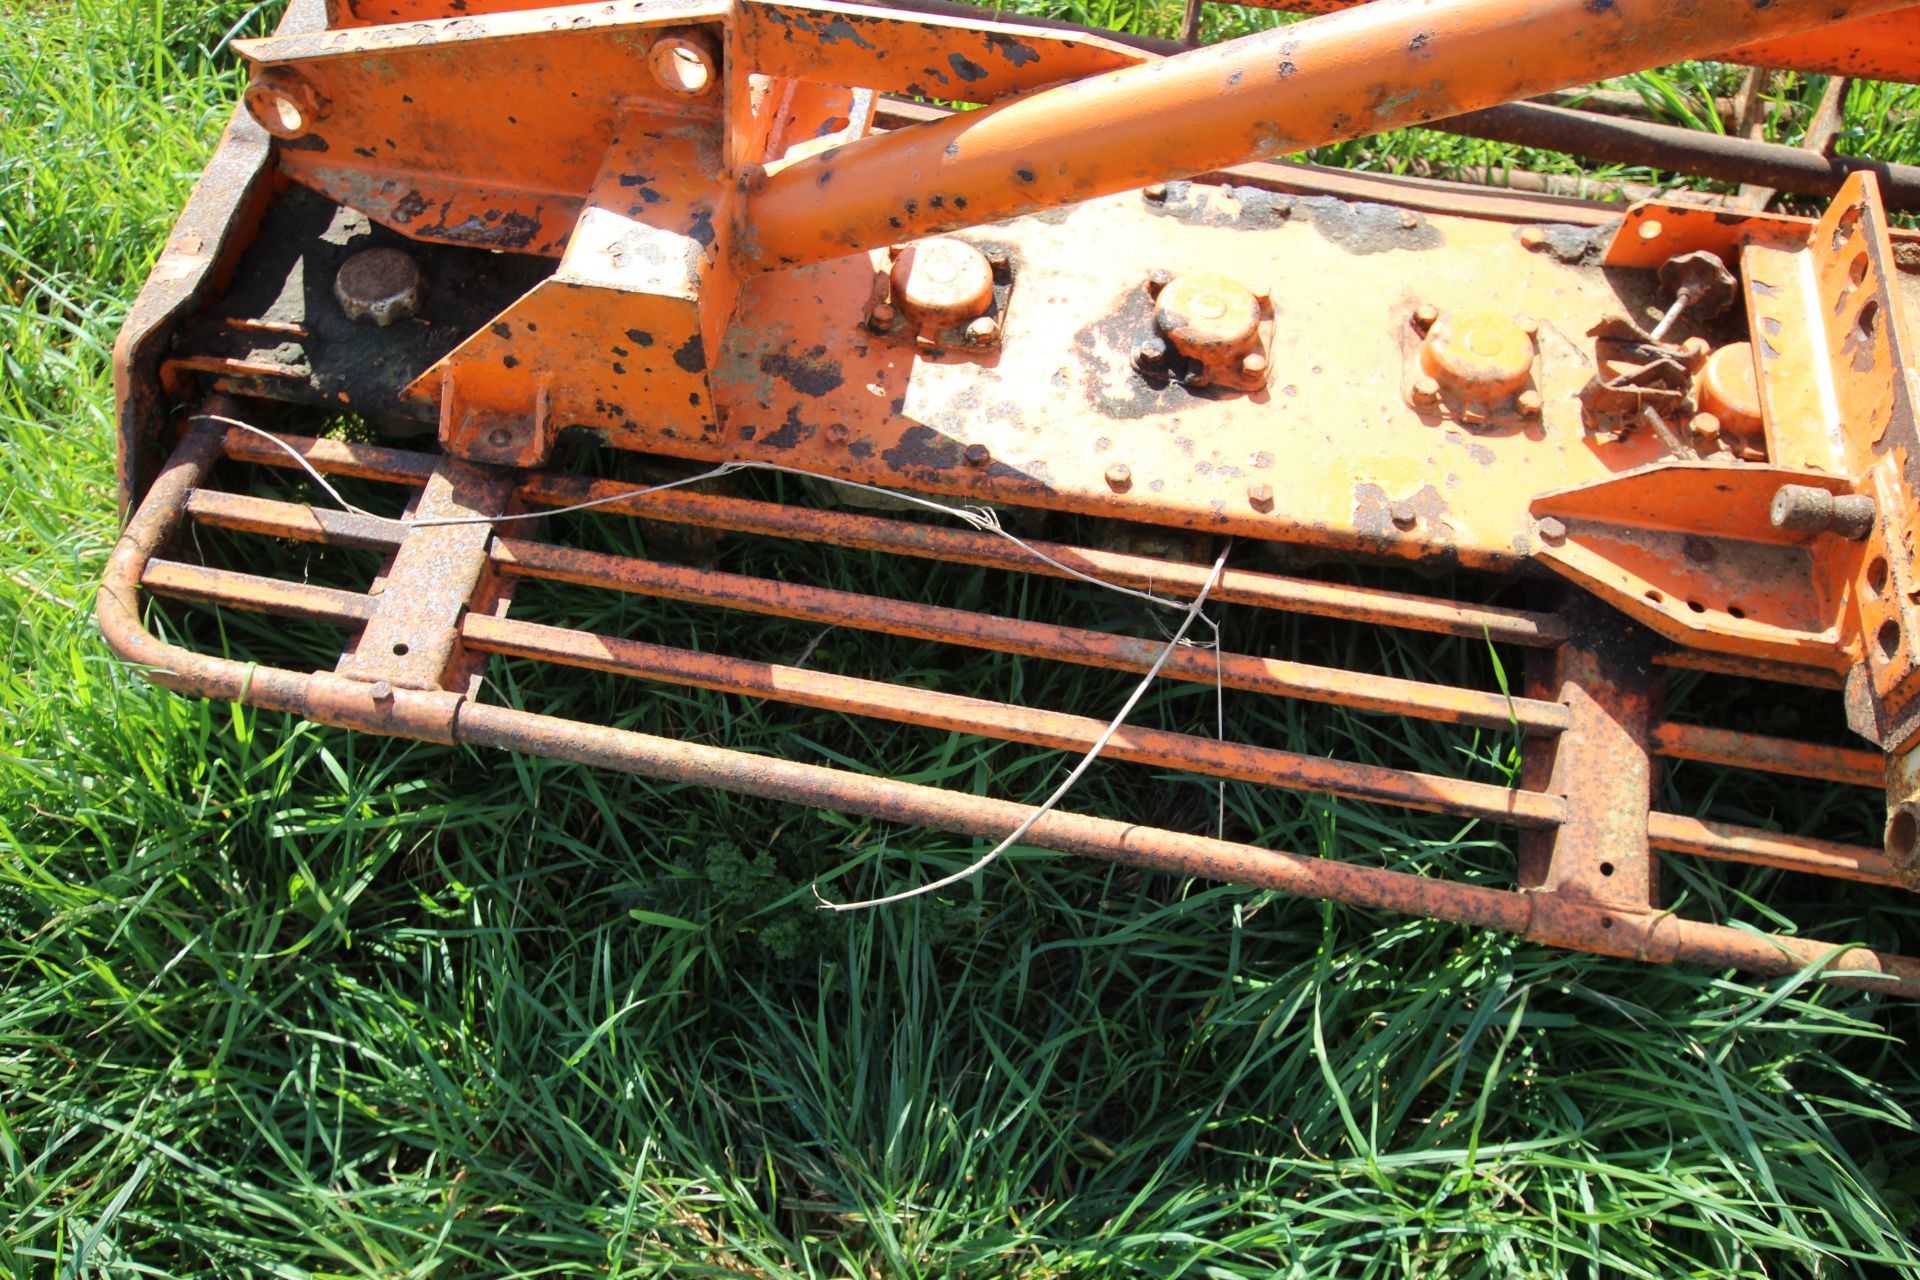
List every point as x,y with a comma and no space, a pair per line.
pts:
958,546
256,594
1266,766
1663,146
1346,75
1676,833
1539,917
1770,755
117,603
1362,692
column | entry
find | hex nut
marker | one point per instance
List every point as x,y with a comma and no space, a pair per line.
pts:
379,287
1260,495
1119,477
1552,530
977,455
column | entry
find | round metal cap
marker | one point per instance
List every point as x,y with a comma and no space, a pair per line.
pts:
1208,317
940,283
1479,355
1728,390
379,286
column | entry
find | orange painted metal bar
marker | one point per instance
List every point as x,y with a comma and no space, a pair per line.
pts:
1770,755
1361,692
1327,79
1676,833
1886,47
857,531
928,707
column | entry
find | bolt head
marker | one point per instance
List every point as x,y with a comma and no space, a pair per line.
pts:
1119,477
1155,191
881,318
983,331
1705,426
1529,403
1253,364
381,691
1426,390
977,455
1552,530
1532,237
1260,495
500,437
1158,279
1403,515
1409,219
1151,355
1424,316
378,287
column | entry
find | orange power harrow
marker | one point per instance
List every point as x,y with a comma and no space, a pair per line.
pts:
737,231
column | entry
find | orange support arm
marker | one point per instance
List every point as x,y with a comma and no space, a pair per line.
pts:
1344,75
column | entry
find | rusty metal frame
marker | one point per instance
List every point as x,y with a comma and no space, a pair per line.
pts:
1598,893
709,237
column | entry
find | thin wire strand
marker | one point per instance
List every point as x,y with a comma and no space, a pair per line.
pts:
984,519
1059,793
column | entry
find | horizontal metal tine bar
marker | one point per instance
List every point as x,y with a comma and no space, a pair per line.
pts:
248,514
335,457
1031,639
258,594
1858,767
1728,664
1675,833
934,709
964,546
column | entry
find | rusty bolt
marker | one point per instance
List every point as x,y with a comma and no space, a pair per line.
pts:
1254,364
1705,427
1403,515
1119,477
378,286
1552,530
381,691
1424,316
1426,390
983,331
1532,237
1158,279
977,455
1473,417
1529,326
1150,357
838,432
881,318
1803,508
1529,404
1260,495
1155,191
500,437
999,260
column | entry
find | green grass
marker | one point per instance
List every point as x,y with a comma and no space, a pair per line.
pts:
283,1001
